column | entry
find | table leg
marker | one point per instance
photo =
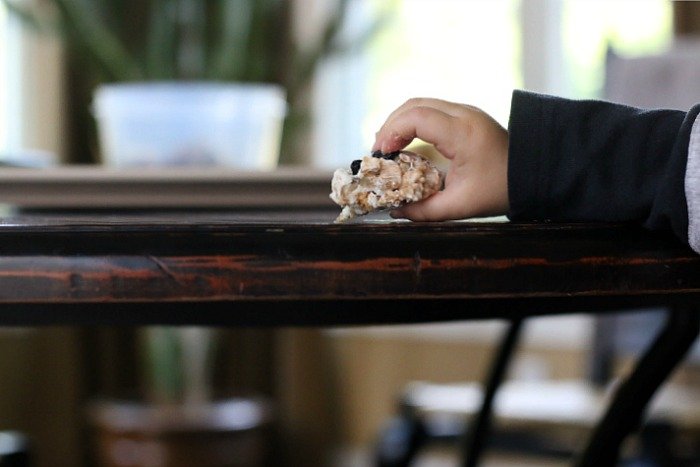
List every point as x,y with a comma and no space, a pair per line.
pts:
479,429
625,412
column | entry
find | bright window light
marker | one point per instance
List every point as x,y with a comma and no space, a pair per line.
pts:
589,28
463,51
3,76
10,91
472,52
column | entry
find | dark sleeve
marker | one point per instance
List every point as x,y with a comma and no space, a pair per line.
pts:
597,161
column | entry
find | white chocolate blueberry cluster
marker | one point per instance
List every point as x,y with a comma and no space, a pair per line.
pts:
383,181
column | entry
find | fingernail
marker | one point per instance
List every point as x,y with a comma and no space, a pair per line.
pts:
377,138
394,141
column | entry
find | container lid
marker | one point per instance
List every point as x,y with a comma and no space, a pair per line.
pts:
188,97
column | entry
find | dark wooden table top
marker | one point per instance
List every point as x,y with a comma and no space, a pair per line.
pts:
298,268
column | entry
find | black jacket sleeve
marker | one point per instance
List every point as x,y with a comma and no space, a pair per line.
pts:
597,161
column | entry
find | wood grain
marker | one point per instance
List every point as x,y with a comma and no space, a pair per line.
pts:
267,262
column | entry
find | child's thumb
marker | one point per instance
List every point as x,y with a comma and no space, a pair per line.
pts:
438,207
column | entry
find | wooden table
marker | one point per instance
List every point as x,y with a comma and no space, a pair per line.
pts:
296,267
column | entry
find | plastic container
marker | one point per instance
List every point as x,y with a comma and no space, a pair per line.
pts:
166,124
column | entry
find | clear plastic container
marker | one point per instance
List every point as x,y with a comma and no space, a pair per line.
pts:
166,124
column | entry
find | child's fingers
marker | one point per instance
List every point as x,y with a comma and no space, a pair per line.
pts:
441,206
429,124
435,208
449,108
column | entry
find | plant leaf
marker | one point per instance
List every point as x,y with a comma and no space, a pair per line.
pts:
230,54
29,17
192,45
164,363
267,32
87,30
161,45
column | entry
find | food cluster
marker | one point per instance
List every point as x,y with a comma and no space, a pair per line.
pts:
383,181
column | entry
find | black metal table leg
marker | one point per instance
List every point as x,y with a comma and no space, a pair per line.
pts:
625,412
479,429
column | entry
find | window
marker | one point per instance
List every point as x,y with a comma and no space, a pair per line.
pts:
3,75
30,90
466,51
10,123
476,52
589,28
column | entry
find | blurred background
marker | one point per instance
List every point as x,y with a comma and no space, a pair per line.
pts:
342,67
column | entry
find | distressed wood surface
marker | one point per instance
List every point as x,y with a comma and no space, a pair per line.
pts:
299,268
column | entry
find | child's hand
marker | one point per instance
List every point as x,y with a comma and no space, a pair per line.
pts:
477,146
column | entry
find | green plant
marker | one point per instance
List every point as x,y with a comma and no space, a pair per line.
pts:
179,364
222,40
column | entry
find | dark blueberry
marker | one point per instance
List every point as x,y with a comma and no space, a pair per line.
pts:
377,154
355,166
392,155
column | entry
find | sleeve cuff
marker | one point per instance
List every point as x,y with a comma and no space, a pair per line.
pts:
525,126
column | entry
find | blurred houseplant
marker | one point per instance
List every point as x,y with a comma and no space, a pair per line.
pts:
252,41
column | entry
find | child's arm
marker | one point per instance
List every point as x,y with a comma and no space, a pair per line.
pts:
598,161
562,160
